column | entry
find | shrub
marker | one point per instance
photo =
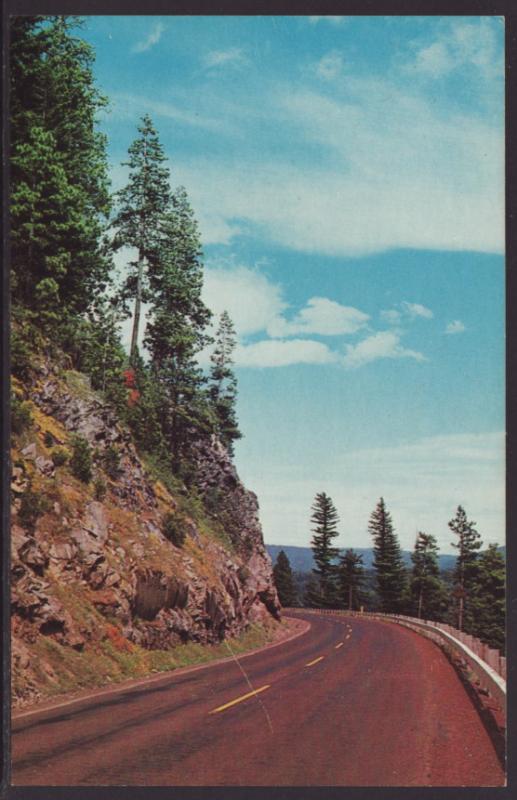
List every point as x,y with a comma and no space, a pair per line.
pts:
48,439
21,355
59,456
81,461
32,506
173,529
21,417
99,488
111,461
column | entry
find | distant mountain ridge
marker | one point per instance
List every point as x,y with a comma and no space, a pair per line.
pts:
301,560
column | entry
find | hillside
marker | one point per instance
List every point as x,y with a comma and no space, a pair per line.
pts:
99,590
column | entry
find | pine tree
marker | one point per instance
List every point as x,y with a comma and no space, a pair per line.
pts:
465,573
283,578
387,562
141,207
59,186
426,588
487,599
325,519
351,577
223,384
177,325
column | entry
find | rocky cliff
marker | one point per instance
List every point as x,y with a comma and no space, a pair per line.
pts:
97,584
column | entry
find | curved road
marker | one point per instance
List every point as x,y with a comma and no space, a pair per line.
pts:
352,702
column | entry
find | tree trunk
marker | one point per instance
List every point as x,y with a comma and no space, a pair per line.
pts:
420,605
138,304
350,590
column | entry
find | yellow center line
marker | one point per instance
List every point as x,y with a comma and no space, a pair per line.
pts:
338,646
315,661
240,699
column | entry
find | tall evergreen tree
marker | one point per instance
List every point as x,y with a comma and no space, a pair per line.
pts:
223,384
141,207
387,562
426,588
284,582
351,577
468,543
177,325
59,201
487,599
325,519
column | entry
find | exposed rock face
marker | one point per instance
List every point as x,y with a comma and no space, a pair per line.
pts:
87,564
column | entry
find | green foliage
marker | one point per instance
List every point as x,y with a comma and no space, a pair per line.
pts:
487,599
22,351
223,384
21,417
324,518
140,207
427,593
59,456
388,563
173,528
59,196
465,574
111,461
283,578
81,461
32,506
176,329
99,488
48,439
351,578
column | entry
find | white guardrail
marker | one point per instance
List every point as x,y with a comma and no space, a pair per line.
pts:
487,664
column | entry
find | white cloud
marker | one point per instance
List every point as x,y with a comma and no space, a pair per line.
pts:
409,171
321,316
252,301
417,310
219,58
422,482
434,60
456,326
384,344
280,353
462,44
330,66
153,38
331,20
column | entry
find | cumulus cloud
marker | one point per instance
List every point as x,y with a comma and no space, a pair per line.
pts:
456,326
384,344
462,44
329,66
153,38
417,310
391,316
281,353
219,58
251,299
321,316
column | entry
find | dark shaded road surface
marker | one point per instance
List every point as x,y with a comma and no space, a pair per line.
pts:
350,703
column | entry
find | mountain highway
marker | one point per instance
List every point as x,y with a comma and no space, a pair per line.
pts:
351,702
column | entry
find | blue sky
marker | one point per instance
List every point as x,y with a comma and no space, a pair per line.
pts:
347,175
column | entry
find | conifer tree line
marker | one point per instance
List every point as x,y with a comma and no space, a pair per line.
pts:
66,227
472,599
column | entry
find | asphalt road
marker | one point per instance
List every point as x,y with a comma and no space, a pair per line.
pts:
349,703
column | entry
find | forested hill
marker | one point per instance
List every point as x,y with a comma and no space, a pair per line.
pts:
301,558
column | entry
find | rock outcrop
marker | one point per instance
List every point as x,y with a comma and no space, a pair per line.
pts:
93,568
